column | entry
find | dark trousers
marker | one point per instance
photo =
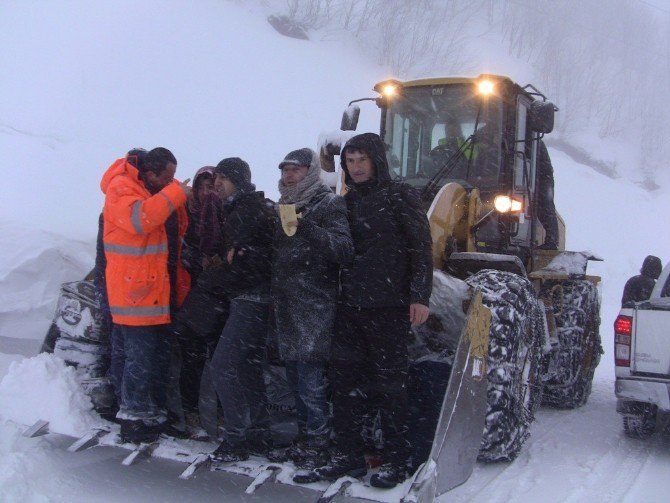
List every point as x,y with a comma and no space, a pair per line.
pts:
140,368
237,372
197,328
369,366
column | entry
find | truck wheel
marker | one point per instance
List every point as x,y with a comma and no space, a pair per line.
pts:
641,424
514,384
576,309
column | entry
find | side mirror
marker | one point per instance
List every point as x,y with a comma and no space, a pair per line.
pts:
350,118
542,116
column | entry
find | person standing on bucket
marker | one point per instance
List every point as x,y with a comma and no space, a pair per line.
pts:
144,221
384,291
244,278
305,270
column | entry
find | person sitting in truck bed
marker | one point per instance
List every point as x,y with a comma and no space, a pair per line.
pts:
639,288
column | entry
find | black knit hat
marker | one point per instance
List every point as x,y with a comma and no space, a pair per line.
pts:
301,157
237,171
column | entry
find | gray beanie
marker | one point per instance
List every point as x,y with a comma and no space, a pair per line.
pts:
300,157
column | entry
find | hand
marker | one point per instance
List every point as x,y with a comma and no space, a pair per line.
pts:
184,185
291,224
231,255
418,314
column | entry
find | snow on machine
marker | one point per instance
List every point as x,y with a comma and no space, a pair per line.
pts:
512,325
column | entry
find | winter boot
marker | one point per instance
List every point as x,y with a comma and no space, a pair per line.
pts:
389,475
314,453
228,453
171,430
135,431
260,446
352,464
293,452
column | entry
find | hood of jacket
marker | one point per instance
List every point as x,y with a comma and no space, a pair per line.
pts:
120,167
205,170
651,267
371,144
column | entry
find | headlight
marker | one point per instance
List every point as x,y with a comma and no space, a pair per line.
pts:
506,204
485,87
389,90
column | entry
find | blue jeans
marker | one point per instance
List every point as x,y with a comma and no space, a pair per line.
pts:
308,383
141,361
237,372
118,360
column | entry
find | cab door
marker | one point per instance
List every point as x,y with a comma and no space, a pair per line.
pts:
523,179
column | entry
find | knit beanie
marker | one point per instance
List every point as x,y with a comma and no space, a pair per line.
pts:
237,171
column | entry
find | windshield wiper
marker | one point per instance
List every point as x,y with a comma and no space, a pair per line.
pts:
429,189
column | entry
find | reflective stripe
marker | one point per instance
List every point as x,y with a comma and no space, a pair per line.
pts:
135,250
140,311
135,217
170,205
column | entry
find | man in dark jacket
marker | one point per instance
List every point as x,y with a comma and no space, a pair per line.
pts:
638,288
244,278
383,291
305,272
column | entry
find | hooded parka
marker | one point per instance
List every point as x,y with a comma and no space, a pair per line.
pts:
639,288
404,275
136,247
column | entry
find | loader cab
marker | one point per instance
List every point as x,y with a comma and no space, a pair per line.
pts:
481,133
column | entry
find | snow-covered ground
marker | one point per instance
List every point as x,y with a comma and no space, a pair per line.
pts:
85,81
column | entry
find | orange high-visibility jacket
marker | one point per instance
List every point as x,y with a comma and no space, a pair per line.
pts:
136,246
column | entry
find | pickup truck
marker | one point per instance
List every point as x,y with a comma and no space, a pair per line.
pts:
642,360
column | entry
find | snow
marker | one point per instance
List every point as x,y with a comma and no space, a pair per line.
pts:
90,80
43,387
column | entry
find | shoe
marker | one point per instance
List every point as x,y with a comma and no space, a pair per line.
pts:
172,431
312,457
228,453
291,453
389,475
260,446
135,431
192,420
342,464
306,477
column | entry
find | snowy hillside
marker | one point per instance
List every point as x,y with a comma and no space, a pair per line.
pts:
89,80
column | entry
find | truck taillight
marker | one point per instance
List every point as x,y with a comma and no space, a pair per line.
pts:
623,329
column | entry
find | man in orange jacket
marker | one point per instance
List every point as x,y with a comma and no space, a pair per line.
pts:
144,223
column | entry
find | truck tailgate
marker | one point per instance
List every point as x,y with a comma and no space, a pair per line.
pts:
651,351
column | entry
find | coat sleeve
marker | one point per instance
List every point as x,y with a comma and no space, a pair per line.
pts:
330,237
127,209
418,242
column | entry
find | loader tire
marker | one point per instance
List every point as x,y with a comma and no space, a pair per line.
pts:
514,383
576,309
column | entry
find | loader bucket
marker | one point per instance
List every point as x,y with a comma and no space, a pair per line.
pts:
459,429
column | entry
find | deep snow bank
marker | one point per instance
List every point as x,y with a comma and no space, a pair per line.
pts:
43,387
33,265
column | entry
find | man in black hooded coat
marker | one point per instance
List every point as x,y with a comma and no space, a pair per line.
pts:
638,288
383,291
